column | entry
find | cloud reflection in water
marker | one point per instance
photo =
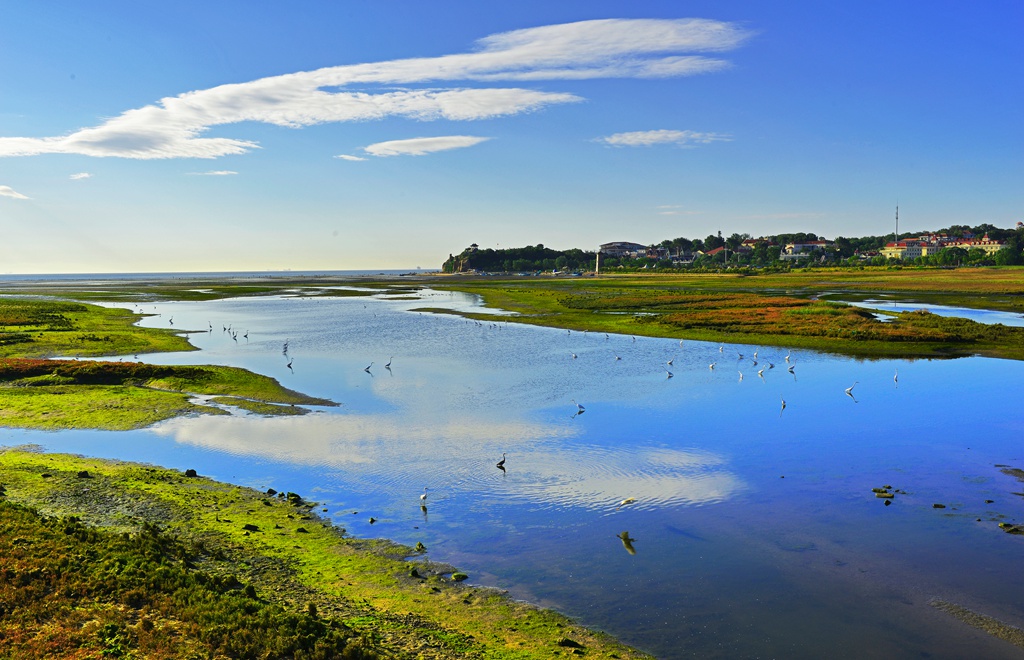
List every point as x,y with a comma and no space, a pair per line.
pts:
392,455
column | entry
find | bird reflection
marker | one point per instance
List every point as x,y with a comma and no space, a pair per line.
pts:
501,464
849,391
627,542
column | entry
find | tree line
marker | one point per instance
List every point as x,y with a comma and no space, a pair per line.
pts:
690,253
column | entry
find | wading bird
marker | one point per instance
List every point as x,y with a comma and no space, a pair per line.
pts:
367,369
627,542
791,367
423,497
501,464
783,407
573,355
741,375
579,409
849,390
787,357
669,373
669,363
388,365
711,366
896,378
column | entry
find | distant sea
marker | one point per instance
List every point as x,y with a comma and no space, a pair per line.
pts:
266,274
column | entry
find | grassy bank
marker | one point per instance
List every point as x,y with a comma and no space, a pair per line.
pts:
784,310
52,328
106,559
64,394
36,392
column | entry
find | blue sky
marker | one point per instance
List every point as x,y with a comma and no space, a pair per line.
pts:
196,136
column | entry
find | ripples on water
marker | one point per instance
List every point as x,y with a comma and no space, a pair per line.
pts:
755,532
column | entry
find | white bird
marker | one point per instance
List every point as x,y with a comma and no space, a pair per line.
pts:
628,500
423,497
849,390
760,373
367,369
669,363
755,355
741,375
680,343
721,349
617,357
711,366
896,378
783,407
787,357
573,355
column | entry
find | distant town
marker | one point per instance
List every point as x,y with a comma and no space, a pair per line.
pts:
959,245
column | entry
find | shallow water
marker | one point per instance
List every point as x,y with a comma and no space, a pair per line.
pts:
986,316
756,532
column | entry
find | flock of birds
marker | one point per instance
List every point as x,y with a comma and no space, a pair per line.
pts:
767,365
627,541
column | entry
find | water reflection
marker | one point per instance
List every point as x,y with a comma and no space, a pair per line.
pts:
395,457
755,533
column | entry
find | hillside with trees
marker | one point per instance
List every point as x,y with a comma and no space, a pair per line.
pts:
743,250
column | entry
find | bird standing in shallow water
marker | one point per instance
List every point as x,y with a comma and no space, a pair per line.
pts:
367,369
423,497
783,407
501,464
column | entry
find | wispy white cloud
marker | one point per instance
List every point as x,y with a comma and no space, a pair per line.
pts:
7,191
80,176
348,157
663,136
214,173
631,48
423,146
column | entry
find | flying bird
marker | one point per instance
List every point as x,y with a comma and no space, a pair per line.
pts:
627,542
